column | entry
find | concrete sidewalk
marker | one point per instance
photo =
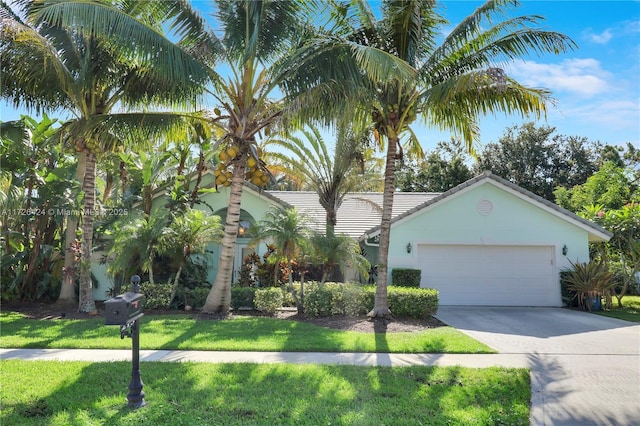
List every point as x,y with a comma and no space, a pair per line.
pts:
363,359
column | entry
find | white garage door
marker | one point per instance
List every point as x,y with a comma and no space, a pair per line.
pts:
490,275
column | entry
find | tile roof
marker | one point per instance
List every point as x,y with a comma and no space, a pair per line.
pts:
359,211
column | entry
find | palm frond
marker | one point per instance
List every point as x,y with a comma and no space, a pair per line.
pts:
133,37
33,74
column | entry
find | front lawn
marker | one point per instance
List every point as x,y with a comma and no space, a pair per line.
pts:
237,334
83,393
630,310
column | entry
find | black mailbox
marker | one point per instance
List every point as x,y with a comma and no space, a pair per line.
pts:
123,309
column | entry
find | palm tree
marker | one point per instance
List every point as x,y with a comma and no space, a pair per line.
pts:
135,245
189,233
256,38
451,84
339,250
98,62
286,230
311,164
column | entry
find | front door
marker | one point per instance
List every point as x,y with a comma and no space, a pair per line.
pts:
242,251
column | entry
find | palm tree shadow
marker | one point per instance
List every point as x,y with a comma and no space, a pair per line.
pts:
380,326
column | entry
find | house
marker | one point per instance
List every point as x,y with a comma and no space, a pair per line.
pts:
484,242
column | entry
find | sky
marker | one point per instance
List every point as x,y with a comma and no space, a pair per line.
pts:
596,87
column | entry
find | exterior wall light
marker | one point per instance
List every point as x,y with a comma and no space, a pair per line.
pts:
565,250
409,248
243,227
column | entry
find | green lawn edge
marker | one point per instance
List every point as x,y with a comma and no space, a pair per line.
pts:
237,334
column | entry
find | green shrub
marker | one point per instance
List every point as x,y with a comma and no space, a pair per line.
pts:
156,296
418,303
287,297
406,277
319,300
199,297
329,299
354,300
268,300
242,297
335,299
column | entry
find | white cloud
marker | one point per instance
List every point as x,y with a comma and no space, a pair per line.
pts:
583,77
616,114
632,27
602,38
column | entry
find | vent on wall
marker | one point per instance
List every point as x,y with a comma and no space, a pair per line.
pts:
484,207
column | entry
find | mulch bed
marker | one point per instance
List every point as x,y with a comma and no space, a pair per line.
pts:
43,311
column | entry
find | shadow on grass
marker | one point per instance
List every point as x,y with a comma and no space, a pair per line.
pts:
240,394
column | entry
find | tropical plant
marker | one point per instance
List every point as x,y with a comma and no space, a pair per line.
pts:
135,245
624,246
286,230
309,163
189,233
341,250
589,282
37,191
98,61
448,85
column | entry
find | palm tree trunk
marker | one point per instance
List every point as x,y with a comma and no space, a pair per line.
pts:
293,290
174,288
381,303
68,289
219,298
331,221
87,304
151,260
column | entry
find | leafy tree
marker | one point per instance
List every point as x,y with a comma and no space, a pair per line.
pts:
330,176
94,60
448,85
610,187
534,159
441,170
624,246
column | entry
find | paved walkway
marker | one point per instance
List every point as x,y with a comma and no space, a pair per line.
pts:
364,359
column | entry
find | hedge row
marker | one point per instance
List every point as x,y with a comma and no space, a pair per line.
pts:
406,277
346,299
320,300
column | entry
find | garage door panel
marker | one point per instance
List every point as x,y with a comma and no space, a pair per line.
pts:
490,275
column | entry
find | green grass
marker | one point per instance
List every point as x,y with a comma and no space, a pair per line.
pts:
238,334
630,310
83,393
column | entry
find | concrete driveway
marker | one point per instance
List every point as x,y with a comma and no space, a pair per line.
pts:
585,369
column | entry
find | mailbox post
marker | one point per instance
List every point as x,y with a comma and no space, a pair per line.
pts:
125,310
